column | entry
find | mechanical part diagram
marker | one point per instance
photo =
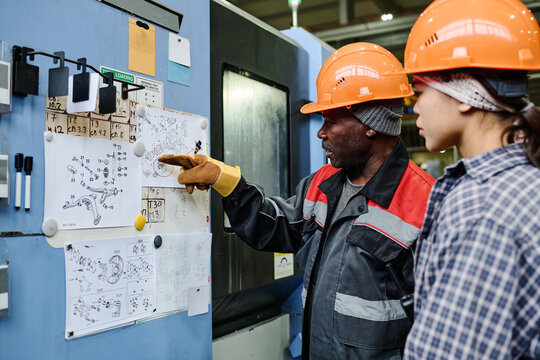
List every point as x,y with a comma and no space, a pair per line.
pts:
168,132
108,282
91,182
184,263
103,175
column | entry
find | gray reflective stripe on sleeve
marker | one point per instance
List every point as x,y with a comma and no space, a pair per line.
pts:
390,225
304,294
318,208
278,210
383,310
257,188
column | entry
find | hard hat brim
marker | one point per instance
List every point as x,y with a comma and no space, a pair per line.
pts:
315,107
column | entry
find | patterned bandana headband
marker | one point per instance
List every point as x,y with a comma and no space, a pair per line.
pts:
466,89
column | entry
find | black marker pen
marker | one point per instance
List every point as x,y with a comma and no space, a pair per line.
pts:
18,179
27,181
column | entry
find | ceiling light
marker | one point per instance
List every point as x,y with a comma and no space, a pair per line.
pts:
293,4
386,17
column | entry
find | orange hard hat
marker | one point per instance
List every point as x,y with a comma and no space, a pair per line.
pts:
488,34
357,73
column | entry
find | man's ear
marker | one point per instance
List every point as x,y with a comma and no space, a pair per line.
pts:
463,108
370,133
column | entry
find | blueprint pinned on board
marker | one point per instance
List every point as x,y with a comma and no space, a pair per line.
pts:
109,283
183,262
91,183
168,132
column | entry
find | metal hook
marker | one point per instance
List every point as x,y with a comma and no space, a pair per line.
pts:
108,78
60,56
81,62
25,52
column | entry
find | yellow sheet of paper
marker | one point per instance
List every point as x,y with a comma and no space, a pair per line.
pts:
142,48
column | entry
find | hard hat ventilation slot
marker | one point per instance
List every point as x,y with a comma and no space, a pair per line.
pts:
341,82
431,40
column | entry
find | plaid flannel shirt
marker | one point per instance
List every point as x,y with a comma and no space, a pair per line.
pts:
477,271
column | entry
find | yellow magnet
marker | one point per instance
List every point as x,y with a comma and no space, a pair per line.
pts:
139,222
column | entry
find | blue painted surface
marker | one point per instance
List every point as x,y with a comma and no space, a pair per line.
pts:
293,306
85,28
318,52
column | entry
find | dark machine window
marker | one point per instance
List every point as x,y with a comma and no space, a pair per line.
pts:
255,130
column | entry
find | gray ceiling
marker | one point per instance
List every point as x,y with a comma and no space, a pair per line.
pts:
315,15
339,22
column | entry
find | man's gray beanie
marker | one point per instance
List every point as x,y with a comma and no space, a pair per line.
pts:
383,116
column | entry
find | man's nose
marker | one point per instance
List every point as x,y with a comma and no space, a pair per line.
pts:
321,134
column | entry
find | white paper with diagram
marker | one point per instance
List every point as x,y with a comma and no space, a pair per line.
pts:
168,132
183,263
91,183
109,283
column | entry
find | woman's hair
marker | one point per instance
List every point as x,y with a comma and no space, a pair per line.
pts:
526,128
526,124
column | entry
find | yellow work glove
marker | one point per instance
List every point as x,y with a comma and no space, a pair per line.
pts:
202,171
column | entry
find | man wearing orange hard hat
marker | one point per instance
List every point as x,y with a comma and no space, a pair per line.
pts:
477,270
352,223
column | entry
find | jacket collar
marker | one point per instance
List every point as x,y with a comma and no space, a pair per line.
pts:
382,186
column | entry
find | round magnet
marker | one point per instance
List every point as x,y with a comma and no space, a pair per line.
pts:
139,222
49,227
139,148
49,136
204,123
140,110
158,241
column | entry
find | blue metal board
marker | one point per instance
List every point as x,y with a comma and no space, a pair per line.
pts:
85,28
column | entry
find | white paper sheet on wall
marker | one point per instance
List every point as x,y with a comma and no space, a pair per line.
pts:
197,300
179,50
109,283
168,132
183,262
91,183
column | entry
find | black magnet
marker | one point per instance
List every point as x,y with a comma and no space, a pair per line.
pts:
157,241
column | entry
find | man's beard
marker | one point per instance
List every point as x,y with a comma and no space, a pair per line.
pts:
355,168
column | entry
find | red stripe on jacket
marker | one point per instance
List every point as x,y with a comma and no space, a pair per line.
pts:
314,193
410,199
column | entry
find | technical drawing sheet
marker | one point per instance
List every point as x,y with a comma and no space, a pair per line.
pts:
183,262
108,283
168,132
91,183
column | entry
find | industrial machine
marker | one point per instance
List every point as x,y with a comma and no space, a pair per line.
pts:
259,81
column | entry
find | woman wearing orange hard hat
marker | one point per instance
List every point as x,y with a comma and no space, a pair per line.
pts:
477,270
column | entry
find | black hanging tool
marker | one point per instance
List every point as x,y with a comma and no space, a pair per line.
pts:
107,95
58,77
25,76
81,83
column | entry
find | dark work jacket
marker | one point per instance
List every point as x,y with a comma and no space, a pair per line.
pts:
351,305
